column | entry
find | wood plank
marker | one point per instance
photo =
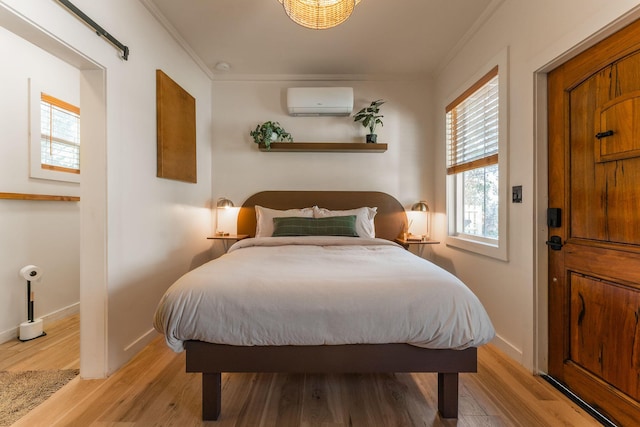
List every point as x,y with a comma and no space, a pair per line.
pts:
154,389
176,131
320,401
361,358
59,349
38,197
121,400
318,147
595,181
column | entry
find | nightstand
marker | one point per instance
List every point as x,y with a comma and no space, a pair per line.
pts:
420,243
228,238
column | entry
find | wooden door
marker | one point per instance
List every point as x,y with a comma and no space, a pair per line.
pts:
594,178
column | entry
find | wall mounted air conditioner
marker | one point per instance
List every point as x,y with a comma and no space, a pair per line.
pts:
320,101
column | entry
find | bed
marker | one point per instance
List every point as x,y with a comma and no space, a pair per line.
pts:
362,305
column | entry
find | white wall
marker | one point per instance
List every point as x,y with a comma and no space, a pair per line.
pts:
155,228
537,33
403,171
34,232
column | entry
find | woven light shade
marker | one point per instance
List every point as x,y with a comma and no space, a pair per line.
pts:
319,14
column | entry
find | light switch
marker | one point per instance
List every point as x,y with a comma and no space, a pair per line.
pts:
516,194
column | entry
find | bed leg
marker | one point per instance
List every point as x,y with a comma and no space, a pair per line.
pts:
211,396
448,395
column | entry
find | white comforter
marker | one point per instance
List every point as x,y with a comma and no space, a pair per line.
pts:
321,290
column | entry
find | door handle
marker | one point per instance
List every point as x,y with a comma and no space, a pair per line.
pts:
555,243
604,134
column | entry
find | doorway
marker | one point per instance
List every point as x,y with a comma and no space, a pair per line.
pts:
594,243
93,193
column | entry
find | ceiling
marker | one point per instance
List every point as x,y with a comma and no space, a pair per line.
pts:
382,37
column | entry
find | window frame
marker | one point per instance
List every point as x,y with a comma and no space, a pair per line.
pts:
36,168
494,248
53,102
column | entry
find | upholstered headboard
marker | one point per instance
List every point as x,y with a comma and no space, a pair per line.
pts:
390,221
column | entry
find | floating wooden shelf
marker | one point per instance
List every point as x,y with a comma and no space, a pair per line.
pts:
344,147
42,197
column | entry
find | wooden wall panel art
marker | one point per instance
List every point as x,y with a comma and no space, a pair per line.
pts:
176,125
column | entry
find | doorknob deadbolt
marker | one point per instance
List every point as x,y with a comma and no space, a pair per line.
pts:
555,243
554,217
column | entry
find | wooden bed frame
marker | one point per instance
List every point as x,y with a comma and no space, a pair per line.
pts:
213,359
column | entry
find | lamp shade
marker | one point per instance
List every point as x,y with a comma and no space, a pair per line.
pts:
420,206
225,216
223,202
420,219
319,14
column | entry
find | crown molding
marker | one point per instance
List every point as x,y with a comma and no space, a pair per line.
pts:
222,77
471,32
319,77
151,7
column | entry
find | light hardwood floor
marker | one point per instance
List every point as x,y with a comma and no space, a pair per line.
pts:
154,390
59,349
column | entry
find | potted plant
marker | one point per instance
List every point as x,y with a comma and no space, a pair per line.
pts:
370,118
269,132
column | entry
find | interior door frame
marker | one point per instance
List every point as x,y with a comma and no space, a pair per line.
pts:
93,190
541,181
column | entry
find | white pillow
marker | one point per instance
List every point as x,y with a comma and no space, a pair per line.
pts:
264,218
364,218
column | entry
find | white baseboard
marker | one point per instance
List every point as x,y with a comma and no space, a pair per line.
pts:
508,348
9,334
69,310
141,342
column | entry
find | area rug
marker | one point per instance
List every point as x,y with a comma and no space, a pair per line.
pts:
22,391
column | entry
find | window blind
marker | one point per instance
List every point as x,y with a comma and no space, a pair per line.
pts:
60,135
472,126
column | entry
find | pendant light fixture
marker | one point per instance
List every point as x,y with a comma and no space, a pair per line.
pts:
319,14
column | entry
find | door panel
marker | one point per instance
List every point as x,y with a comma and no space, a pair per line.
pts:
588,208
605,338
621,113
594,176
599,261
604,192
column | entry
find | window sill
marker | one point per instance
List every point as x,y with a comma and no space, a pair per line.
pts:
496,251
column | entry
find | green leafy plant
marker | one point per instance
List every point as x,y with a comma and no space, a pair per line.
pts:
269,132
370,116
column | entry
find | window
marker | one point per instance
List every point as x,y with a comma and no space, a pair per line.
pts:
59,135
474,134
